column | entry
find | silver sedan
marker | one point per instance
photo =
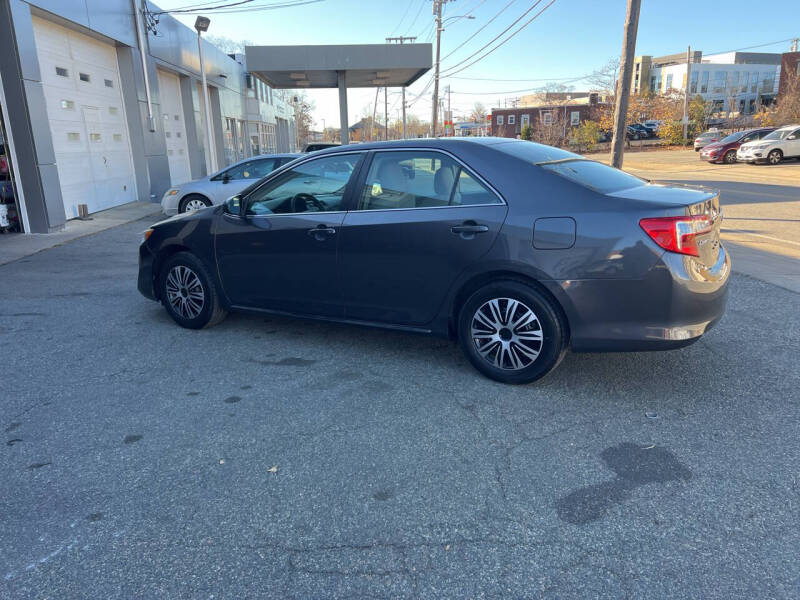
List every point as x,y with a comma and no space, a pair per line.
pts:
216,188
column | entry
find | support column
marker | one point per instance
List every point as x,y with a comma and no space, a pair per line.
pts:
343,107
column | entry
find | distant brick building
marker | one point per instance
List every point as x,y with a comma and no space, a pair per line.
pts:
790,63
508,122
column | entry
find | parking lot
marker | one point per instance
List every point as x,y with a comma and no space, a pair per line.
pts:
268,457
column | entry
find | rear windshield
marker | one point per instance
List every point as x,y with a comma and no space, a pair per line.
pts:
594,175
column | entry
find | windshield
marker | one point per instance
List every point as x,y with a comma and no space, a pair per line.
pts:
709,134
594,175
778,134
734,137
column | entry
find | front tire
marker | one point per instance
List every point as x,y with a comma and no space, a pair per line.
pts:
188,292
774,157
730,157
193,202
511,332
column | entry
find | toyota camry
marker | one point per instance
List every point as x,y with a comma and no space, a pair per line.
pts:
517,250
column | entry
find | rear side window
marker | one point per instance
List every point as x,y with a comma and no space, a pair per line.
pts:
594,175
420,179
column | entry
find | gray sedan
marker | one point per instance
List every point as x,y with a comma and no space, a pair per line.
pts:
517,250
216,188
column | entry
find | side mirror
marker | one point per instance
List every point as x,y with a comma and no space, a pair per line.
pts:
792,137
226,178
233,206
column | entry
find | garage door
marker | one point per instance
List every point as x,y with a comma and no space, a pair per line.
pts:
80,76
174,127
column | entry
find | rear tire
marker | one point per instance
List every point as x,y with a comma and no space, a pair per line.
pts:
512,332
193,202
188,292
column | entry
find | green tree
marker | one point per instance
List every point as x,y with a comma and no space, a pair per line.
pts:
526,133
587,134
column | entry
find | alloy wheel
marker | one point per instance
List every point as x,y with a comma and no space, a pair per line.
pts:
194,204
774,157
506,333
185,292
730,157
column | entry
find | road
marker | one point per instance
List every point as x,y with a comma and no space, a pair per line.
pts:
270,458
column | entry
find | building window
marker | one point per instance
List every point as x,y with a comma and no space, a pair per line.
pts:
499,119
704,83
511,119
669,82
168,134
526,120
754,81
575,118
112,110
95,138
176,118
62,72
177,134
744,81
67,105
547,119
84,77
170,152
117,137
73,137
693,85
108,83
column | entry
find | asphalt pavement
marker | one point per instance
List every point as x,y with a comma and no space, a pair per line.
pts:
274,458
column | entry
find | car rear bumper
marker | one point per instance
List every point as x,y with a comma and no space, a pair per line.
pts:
673,306
145,280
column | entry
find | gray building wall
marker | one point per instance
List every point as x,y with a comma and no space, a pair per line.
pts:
173,49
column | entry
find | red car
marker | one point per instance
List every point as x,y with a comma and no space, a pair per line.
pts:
724,151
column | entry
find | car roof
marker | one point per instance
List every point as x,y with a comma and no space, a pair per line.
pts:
788,127
448,143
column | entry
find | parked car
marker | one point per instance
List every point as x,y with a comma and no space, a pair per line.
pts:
314,146
216,188
724,151
773,147
653,125
518,250
638,132
706,138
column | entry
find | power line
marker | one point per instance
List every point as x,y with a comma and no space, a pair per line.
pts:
499,35
236,7
750,47
523,26
396,27
191,7
414,22
479,30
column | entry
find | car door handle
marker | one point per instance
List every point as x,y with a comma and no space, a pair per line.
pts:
469,228
321,232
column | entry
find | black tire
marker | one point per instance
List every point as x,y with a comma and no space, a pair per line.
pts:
697,149
730,157
194,198
210,313
552,329
774,157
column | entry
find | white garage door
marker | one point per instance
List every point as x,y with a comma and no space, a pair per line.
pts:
80,76
169,93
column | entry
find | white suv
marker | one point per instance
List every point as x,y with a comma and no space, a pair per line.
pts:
773,147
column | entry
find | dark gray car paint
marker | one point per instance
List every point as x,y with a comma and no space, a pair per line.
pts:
617,288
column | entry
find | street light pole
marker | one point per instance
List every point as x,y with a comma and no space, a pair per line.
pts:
624,83
201,25
437,10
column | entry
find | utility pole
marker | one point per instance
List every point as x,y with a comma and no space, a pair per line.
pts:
793,47
400,40
686,95
449,112
374,111
624,83
437,11
386,114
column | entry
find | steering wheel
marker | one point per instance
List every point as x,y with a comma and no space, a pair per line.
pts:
300,202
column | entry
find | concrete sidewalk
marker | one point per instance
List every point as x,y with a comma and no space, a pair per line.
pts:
18,245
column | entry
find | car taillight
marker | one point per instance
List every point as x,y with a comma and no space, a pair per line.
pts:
677,234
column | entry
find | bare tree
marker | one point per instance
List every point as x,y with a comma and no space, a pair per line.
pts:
478,114
302,115
226,44
604,79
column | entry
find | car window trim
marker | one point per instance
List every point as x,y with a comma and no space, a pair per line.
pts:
277,173
464,167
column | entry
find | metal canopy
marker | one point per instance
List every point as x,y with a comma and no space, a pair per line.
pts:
359,66
366,65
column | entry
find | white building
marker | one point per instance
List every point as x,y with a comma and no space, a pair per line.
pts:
737,82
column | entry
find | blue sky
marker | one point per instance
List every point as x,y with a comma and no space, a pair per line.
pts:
571,38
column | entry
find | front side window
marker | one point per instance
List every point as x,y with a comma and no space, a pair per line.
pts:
314,186
252,169
420,179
